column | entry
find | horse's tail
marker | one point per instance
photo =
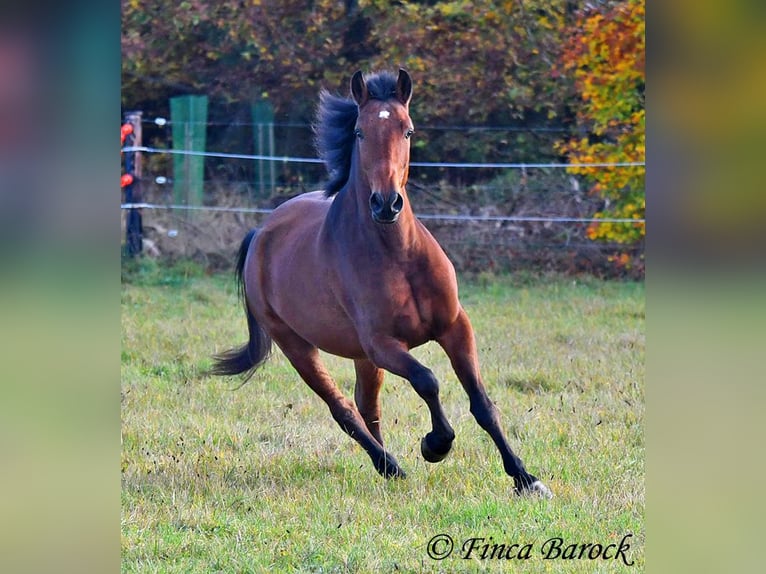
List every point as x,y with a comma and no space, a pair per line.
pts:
250,356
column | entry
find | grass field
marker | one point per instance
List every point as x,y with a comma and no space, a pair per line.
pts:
261,479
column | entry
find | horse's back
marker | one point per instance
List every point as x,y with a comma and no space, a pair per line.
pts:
306,207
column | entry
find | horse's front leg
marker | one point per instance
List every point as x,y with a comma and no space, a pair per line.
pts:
460,345
392,355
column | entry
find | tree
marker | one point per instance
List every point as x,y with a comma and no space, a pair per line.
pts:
479,63
230,49
475,63
604,55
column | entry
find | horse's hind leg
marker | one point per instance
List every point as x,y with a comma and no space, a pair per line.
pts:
305,358
369,379
459,344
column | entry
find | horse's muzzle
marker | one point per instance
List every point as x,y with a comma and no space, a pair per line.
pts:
386,209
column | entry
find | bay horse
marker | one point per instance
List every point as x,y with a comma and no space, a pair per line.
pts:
351,271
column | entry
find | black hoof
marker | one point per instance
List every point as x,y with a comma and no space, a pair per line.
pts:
431,452
388,468
395,473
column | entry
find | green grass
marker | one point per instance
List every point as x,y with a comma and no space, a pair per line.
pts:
261,479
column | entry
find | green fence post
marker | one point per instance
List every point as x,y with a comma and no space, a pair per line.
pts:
263,133
188,116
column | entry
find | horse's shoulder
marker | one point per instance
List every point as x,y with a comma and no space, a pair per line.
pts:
431,250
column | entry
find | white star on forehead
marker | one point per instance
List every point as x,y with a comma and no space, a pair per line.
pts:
384,114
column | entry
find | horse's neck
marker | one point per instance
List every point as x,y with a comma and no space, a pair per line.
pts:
352,217
400,238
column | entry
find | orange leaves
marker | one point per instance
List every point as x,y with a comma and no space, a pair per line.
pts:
605,57
607,46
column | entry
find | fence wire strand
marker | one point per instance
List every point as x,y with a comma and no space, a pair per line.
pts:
425,216
470,165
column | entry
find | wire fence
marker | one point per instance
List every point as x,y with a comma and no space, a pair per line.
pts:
546,231
463,165
425,216
571,129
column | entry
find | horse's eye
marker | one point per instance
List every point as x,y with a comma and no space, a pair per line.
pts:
408,134
358,133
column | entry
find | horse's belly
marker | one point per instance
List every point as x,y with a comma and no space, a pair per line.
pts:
319,320
338,342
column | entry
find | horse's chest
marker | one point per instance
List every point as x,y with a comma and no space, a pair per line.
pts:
418,316
410,324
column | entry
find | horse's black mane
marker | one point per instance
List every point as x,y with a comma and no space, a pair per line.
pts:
334,127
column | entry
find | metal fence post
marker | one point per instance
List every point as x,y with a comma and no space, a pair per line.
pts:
133,224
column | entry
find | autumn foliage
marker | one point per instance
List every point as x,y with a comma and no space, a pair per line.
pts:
604,55
564,79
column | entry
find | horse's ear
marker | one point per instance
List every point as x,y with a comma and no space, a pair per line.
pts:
404,87
359,89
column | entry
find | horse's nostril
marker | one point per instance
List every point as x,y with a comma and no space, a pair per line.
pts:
397,204
376,201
